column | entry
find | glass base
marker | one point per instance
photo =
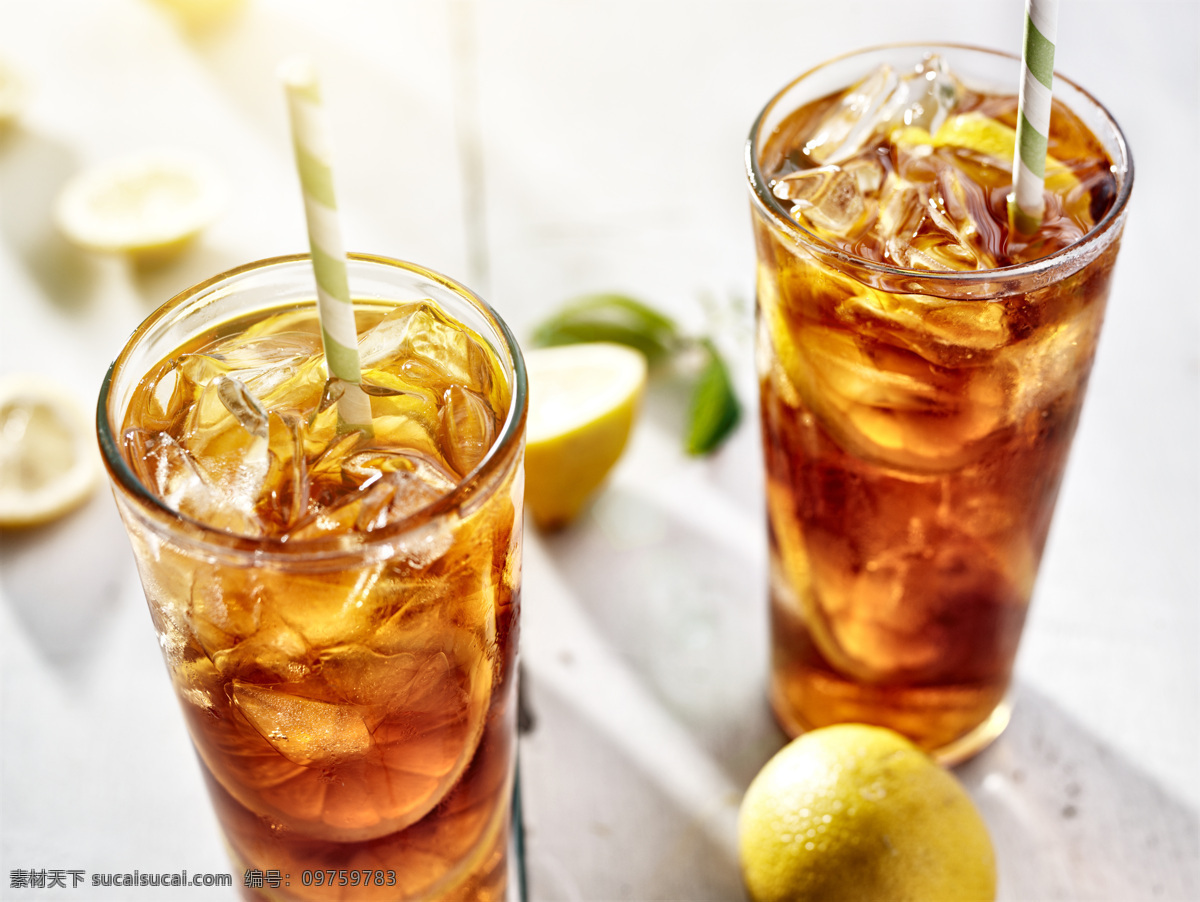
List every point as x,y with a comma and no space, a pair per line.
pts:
959,750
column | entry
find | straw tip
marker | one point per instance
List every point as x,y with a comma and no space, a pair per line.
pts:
1024,222
298,72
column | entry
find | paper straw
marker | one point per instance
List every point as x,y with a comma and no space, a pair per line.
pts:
339,335
1026,205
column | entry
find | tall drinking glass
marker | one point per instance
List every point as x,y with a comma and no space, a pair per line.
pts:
922,370
338,611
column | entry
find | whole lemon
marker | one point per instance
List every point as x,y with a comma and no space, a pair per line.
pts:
855,812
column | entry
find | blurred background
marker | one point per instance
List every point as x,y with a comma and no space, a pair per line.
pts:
538,150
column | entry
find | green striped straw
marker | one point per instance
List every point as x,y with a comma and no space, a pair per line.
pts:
1025,204
339,335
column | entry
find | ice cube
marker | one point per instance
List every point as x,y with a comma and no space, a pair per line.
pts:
284,496
289,386
326,483
305,731
335,607
420,547
370,465
244,407
958,207
385,499
200,369
945,333
926,95
393,483
848,125
405,410
252,353
271,372
238,477
916,232
827,198
168,400
274,652
937,220
1052,361
228,430
902,209
389,338
883,100
422,346
365,677
225,606
868,174
264,363
185,485
468,428
410,494
373,506
381,738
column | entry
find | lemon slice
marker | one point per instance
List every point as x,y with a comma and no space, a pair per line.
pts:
987,136
47,458
12,94
583,399
150,204
910,136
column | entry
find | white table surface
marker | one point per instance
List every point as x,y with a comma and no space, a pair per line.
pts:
539,149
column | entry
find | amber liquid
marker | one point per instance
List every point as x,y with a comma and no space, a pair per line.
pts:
354,714
914,446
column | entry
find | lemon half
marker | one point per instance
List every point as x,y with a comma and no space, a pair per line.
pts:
150,204
48,462
854,812
583,401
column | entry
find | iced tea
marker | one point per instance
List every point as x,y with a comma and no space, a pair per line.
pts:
922,369
338,611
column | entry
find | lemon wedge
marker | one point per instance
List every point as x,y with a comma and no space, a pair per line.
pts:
987,136
12,94
149,205
48,462
583,400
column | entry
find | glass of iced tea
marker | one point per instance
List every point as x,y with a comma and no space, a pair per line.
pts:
921,372
338,610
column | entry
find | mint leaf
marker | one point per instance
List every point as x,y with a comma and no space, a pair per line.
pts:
714,409
611,317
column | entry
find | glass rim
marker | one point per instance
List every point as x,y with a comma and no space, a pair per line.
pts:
769,205
196,532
